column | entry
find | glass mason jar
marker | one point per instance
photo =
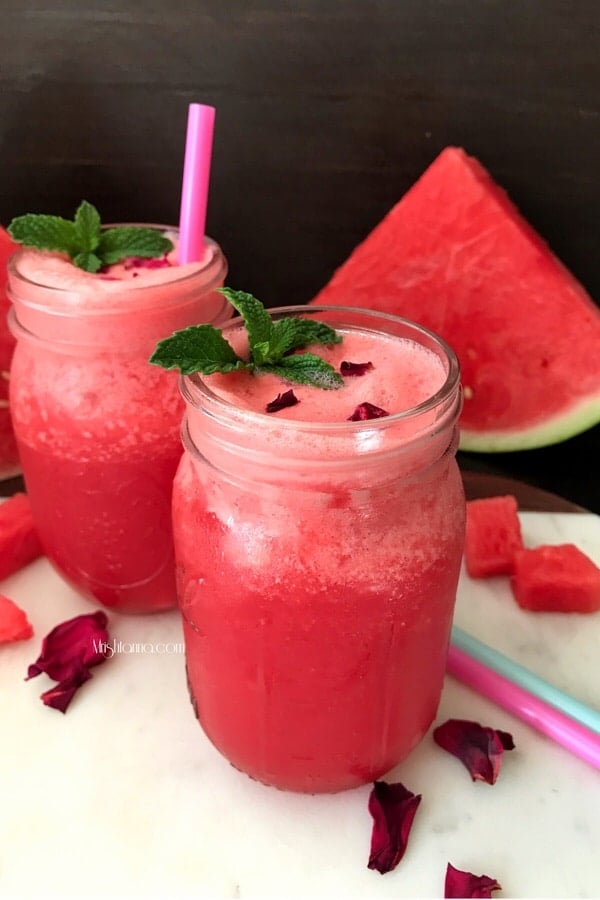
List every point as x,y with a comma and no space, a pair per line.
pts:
317,567
9,457
97,426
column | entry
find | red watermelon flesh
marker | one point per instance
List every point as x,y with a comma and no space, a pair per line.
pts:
19,541
493,536
14,624
456,256
556,579
9,460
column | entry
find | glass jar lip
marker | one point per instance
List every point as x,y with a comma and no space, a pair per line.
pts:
135,291
191,384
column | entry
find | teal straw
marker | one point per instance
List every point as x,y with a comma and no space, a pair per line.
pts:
521,676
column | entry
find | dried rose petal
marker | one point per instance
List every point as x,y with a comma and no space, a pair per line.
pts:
479,749
62,693
393,808
281,401
465,884
366,411
71,644
69,651
349,368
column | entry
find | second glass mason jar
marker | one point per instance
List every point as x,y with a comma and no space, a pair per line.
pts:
317,570
97,426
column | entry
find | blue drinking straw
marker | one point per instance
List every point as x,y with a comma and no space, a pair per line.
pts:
525,679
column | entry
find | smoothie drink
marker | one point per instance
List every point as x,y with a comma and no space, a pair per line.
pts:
318,558
97,426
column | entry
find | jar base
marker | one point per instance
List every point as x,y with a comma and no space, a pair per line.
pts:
307,783
126,599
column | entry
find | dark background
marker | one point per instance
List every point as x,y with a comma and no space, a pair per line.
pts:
326,113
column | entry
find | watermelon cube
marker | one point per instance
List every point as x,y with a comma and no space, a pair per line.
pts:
19,541
14,624
556,579
493,536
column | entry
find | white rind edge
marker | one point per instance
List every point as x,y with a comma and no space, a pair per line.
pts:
579,418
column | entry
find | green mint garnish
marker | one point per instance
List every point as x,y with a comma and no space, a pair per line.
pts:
199,348
89,246
202,348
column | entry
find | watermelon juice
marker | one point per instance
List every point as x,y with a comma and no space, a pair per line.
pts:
98,428
318,558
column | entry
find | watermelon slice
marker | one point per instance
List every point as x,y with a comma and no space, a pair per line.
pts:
493,536
556,579
14,624
456,256
19,541
9,459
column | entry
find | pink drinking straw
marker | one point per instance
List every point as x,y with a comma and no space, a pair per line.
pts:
196,176
540,715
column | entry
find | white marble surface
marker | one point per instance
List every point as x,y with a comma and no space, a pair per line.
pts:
124,796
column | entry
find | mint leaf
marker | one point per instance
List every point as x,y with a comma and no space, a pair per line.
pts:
256,319
128,240
203,348
44,232
199,348
306,368
87,261
87,228
261,353
293,334
83,240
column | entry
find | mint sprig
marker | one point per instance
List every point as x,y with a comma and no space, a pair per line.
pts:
199,348
203,349
88,245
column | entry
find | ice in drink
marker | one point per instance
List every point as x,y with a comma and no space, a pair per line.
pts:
318,558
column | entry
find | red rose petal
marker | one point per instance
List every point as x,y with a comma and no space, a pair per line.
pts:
393,808
366,411
350,368
506,739
479,749
281,401
465,884
70,645
62,693
69,651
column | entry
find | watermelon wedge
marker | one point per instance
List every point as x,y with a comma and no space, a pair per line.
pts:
19,541
14,624
456,256
9,459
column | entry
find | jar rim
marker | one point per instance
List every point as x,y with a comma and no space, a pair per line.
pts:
196,392
137,292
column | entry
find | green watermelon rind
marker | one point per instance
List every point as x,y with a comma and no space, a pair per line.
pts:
575,420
